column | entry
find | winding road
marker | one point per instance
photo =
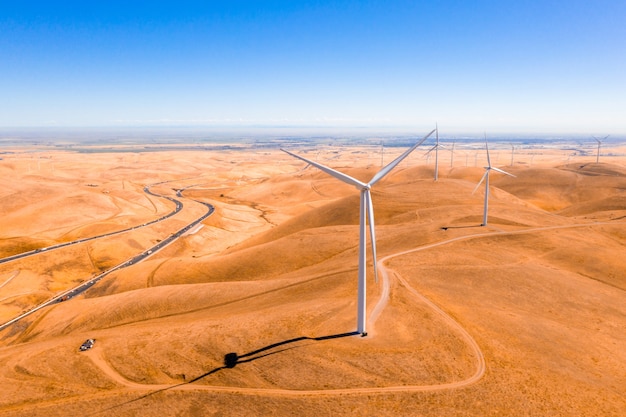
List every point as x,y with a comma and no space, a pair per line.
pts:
146,189
96,354
72,292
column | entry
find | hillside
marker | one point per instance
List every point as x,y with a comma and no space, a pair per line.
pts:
523,317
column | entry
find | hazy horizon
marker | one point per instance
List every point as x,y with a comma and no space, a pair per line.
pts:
277,135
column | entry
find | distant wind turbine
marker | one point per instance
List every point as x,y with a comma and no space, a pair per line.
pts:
436,149
512,151
452,154
366,215
599,143
485,178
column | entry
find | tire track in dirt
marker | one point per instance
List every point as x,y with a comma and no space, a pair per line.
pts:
13,275
150,279
16,295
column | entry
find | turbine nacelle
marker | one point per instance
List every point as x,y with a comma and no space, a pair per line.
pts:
600,140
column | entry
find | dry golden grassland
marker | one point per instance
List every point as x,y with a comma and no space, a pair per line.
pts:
523,317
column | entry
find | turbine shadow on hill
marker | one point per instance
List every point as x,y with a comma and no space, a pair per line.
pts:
232,359
460,227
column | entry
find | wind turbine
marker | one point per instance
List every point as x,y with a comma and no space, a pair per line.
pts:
436,149
452,154
366,215
486,179
512,152
599,143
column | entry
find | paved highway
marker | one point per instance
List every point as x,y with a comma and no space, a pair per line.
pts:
137,258
146,189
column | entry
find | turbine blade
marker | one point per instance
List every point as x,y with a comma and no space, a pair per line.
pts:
370,219
481,180
503,172
339,175
396,161
430,150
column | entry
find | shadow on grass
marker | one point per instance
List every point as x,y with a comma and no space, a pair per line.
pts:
461,227
232,359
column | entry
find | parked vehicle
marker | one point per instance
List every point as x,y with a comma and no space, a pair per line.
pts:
88,344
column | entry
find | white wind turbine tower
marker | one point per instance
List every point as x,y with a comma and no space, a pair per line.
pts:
599,143
452,154
436,149
512,152
366,216
485,178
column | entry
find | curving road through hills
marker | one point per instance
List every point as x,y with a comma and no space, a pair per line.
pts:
480,366
146,189
96,355
72,292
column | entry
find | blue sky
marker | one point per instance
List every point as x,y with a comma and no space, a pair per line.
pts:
472,66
